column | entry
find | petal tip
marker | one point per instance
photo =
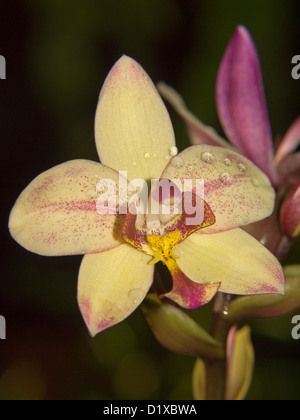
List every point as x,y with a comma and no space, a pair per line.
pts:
124,69
95,322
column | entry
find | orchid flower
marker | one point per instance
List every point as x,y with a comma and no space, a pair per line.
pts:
57,213
243,114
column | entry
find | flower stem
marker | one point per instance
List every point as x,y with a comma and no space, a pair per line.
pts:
216,370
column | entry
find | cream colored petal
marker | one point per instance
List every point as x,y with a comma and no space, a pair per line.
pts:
132,127
234,258
57,213
237,192
112,285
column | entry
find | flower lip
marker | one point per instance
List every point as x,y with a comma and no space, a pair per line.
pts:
163,246
176,226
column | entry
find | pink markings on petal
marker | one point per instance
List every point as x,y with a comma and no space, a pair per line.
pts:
241,101
95,322
133,235
180,223
105,324
188,294
86,311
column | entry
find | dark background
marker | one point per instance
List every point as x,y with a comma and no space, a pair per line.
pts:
58,53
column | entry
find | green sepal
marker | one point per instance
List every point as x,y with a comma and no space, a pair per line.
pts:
240,363
176,331
199,380
268,306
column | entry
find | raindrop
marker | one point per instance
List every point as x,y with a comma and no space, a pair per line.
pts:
136,295
134,164
242,167
208,157
147,155
190,168
173,151
227,162
177,162
227,178
255,182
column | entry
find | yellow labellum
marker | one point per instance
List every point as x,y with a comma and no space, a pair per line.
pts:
162,247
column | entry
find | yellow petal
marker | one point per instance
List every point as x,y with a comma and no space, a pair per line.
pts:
234,258
240,363
132,127
112,285
237,192
57,215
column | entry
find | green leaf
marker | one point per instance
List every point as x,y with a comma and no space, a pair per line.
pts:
269,306
176,331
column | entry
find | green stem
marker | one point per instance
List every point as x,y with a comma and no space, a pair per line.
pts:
216,370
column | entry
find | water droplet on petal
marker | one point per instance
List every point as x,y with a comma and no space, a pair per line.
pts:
147,155
208,157
227,162
173,151
190,168
242,167
227,178
255,182
136,295
134,164
225,312
177,162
